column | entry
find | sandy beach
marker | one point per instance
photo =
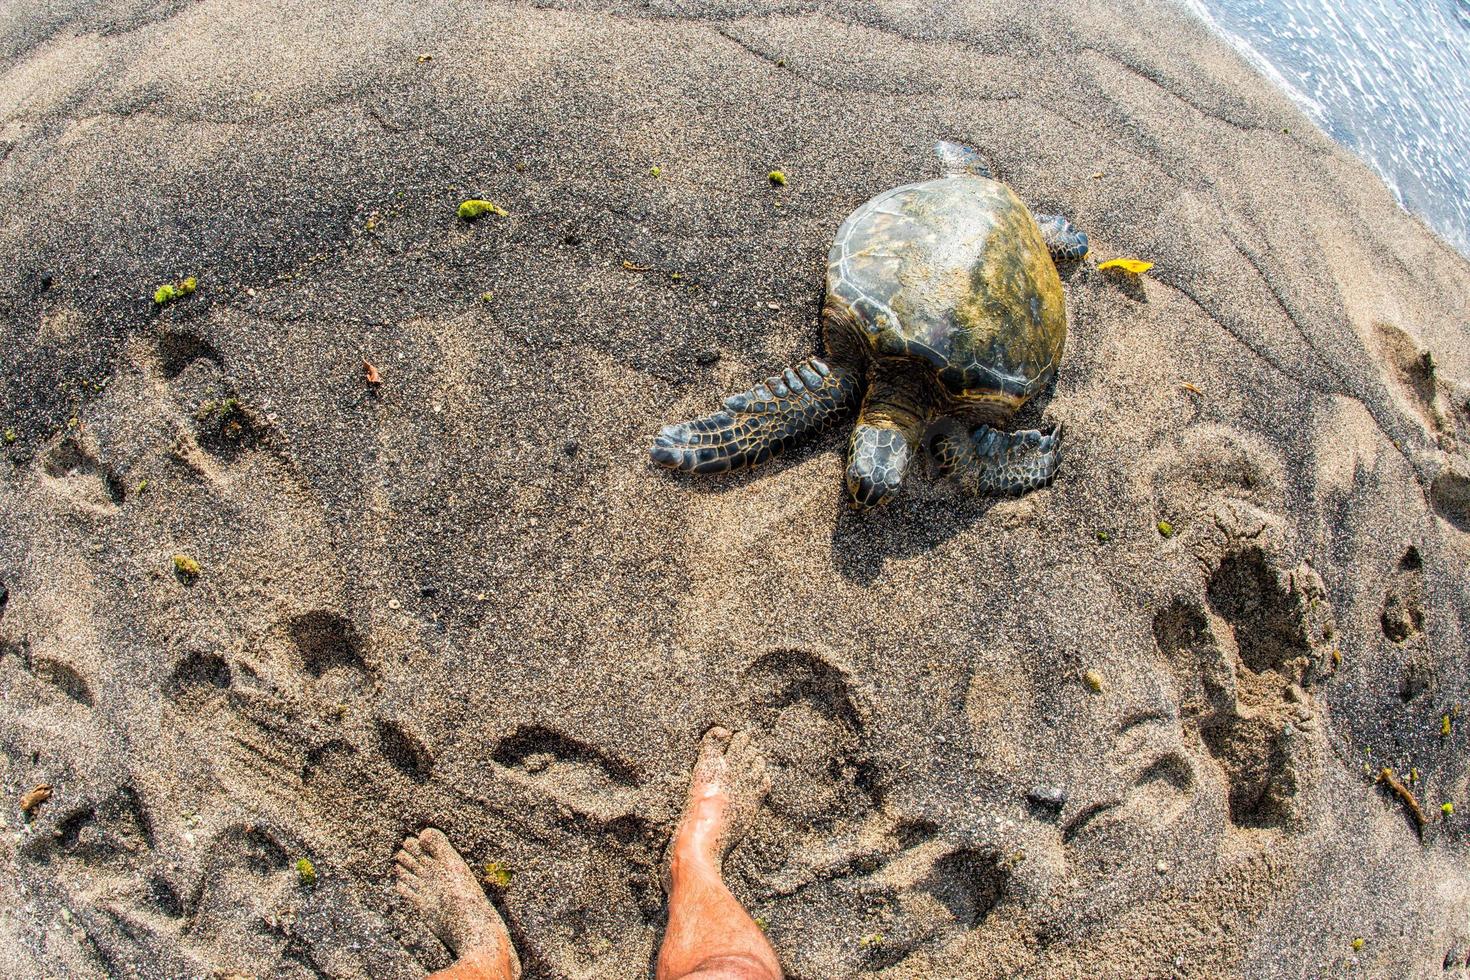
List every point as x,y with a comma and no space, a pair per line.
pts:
1131,725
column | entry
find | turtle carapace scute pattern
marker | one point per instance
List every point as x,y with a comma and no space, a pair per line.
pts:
944,315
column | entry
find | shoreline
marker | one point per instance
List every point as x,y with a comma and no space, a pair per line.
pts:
1437,219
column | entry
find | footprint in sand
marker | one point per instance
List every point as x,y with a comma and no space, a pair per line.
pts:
581,775
1240,661
220,429
1402,617
74,473
1413,373
331,651
51,679
814,724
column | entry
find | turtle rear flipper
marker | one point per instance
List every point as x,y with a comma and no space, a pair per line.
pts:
991,462
1064,241
757,424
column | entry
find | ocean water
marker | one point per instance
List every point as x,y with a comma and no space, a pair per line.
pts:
1388,79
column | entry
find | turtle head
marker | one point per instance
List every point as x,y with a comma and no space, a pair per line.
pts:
876,464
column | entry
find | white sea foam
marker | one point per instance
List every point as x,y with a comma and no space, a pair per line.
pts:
1389,79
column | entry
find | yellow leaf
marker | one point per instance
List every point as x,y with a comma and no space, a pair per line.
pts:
1135,266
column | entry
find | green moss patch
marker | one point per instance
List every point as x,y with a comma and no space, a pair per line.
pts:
475,208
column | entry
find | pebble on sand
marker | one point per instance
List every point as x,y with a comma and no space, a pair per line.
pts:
1047,795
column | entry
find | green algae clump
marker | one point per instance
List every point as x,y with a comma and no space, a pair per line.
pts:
187,568
10,436
476,208
306,872
1093,680
497,875
1166,529
777,178
224,422
1448,809
169,291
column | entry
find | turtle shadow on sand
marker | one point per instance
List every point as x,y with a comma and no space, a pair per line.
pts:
862,544
863,541
931,511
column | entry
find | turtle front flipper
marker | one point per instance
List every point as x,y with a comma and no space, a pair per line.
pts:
1064,241
757,424
991,462
887,433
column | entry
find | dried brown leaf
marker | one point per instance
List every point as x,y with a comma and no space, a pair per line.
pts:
32,800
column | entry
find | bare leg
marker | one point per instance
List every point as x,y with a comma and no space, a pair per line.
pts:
435,879
710,937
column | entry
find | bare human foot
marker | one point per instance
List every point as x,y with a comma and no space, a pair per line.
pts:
725,791
709,933
435,879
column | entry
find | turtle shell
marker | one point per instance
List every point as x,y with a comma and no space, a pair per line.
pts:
953,273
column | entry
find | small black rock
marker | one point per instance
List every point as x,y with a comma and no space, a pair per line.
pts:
707,357
1052,797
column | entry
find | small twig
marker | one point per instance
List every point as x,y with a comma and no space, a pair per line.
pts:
1387,777
383,120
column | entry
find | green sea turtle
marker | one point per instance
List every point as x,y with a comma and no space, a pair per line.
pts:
944,315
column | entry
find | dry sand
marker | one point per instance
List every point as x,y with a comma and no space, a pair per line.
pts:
465,598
